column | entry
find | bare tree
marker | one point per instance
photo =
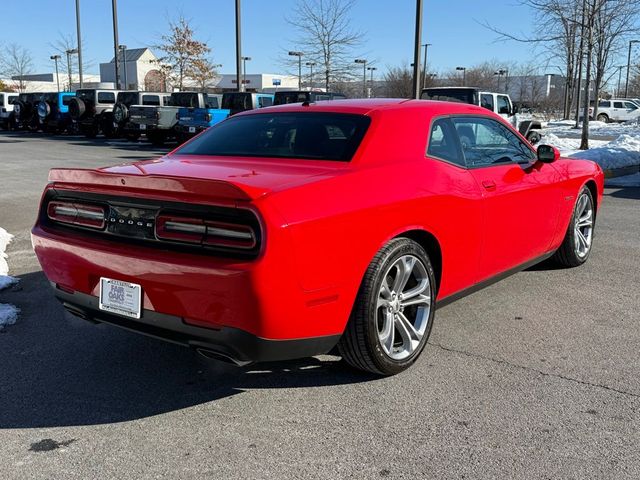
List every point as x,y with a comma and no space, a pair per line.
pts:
16,62
64,43
613,23
203,72
326,36
181,50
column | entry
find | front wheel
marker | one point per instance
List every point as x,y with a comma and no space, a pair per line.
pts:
393,313
576,246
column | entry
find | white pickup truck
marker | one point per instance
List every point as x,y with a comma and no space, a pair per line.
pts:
6,108
499,103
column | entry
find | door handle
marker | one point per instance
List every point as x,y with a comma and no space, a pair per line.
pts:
489,184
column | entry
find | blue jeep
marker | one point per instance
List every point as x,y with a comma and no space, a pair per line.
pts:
193,120
241,101
53,111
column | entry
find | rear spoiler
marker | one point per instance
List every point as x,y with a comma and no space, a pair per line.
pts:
131,180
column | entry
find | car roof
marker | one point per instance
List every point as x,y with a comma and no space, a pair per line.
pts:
366,106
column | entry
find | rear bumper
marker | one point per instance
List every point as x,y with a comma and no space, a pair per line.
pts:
184,129
228,343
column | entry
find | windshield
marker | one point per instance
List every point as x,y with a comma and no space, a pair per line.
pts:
460,95
311,136
184,99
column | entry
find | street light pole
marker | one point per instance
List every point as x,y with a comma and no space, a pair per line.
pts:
310,65
55,58
79,41
416,50
114,9
464,74
626,88
424,66
363,62
244,71
69,53
123,50
620,67
299,55
238,47
371,69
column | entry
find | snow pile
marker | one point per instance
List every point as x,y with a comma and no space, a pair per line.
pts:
8,315
568,146
622,152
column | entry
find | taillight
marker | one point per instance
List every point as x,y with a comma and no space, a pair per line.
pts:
177,116
157,114
90,216
205,232
207,117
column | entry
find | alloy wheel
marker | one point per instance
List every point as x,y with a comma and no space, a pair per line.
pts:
583,226
403,308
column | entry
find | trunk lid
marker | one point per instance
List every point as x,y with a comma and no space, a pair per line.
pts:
236,179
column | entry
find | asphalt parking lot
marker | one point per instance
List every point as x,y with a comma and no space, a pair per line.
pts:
534,377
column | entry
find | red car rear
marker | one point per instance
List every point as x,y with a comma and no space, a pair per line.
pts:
286,231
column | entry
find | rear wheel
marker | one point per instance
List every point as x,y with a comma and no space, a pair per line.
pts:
534,137
603,118
576,246
393,313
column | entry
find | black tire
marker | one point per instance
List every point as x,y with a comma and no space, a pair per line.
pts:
534,137
106,125
120,113
360,345
603,118
567,255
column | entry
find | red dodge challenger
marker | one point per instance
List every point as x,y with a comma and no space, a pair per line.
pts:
287,231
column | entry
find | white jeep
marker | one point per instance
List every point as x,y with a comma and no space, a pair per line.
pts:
6,108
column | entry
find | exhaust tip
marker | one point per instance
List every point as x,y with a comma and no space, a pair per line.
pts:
222,357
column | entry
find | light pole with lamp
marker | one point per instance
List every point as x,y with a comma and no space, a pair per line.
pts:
500,73
244,72
123,53
424,66
310,65
299,55
626,88
371,69
70,52
464,74
620,68
114,8
363,62
55,58
79,40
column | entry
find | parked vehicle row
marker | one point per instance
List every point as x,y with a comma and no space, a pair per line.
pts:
159,116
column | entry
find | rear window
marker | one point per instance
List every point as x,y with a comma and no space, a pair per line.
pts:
87,95
265,102
153,100
308,136
12,99
459,95
282,98
106,97
237,101
183,99
128,98
211,102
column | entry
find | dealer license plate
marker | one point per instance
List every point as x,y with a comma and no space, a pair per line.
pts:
143,126
192,129
121,298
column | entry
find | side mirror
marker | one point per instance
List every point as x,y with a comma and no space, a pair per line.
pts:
548,154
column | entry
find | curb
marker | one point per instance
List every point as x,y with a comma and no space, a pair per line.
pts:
621,172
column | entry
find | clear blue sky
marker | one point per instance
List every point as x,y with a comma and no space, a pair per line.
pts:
452,26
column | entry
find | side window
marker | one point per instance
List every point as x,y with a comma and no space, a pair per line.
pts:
443,143
166,100
12,99
212,102
265,102
151,100
1,100
630,106
486,101
106,97
604,104
617,105
503,105
488,142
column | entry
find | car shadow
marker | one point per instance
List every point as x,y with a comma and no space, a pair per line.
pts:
632,193
56,370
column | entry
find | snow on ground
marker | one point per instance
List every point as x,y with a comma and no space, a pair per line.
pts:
626,181
623,151
8,313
